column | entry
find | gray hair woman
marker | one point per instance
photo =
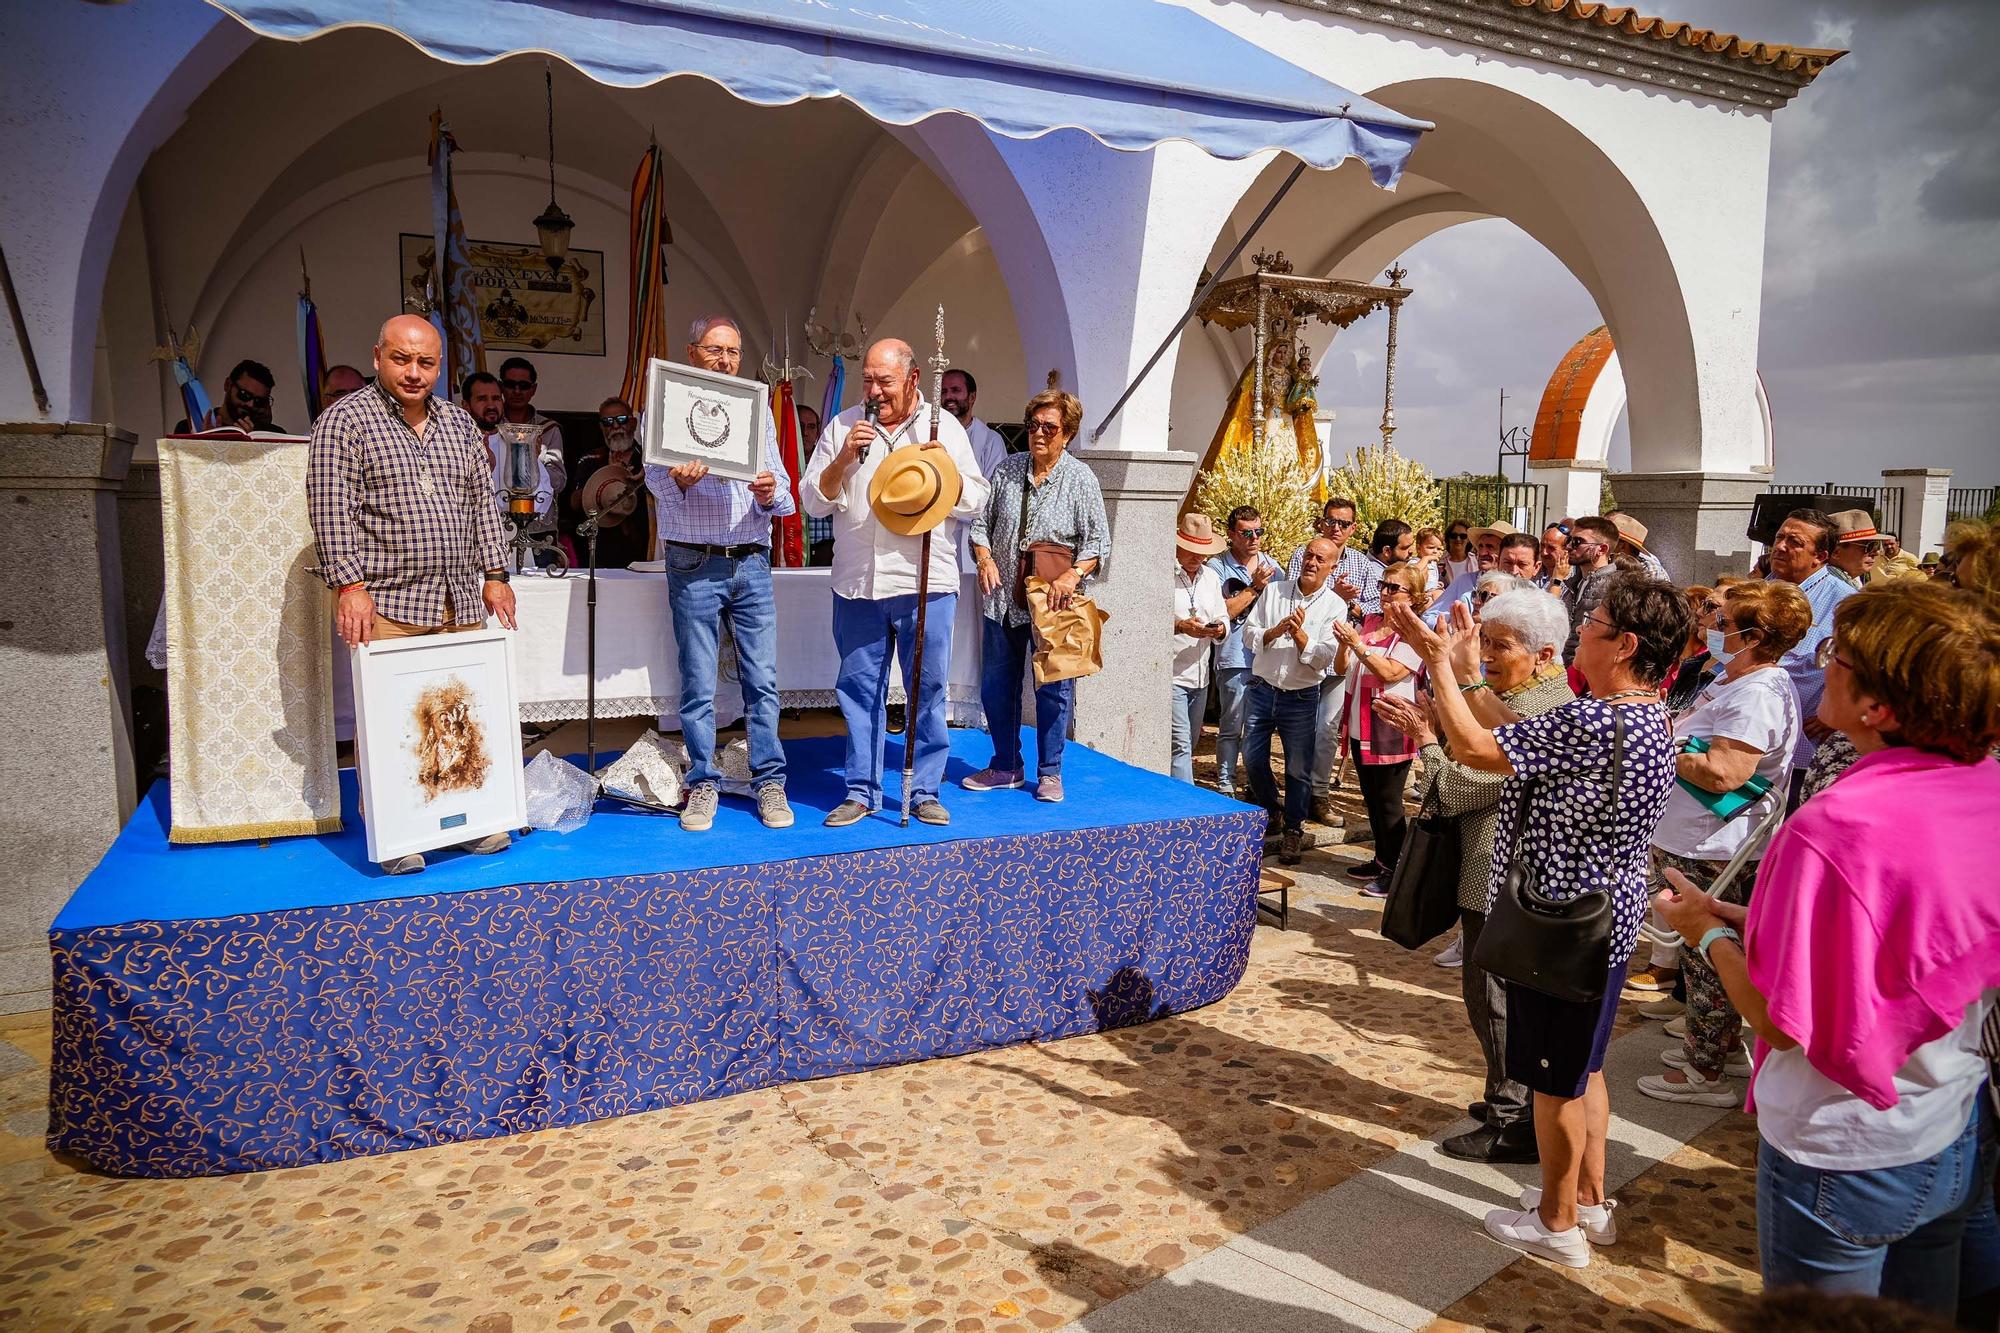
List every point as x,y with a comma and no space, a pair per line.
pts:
1496,583
1521,635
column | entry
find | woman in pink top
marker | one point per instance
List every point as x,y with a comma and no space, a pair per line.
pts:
1376,661
1870,957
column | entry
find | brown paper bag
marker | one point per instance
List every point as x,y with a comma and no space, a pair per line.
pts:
1069,643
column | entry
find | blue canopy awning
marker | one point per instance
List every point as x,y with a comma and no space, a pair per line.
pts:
1131,73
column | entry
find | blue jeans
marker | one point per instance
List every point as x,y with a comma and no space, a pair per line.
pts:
701,590
1232,705
862,631
1004,654
1189,705
1326,755
1290,713
1893,1232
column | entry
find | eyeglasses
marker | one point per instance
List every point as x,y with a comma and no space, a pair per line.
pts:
715,353
1710,608
1603,624
1045,428
1250,532
517,386
1826,653
614,423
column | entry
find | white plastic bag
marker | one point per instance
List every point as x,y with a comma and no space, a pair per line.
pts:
650,773
559,794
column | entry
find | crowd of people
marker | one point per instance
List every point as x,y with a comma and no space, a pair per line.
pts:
1730,775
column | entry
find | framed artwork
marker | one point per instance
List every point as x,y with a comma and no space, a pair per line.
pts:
437,740
700,416
522,306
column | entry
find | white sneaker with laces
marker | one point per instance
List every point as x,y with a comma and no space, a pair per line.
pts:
1736,1066
1452,955
1524,1231
1599,1226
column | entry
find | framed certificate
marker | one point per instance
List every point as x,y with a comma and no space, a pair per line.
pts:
702,416
437,740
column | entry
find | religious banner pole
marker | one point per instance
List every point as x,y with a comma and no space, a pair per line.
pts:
1257,373
1395,275
939,363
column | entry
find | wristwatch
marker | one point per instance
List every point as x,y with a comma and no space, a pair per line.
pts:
499,576
1711,935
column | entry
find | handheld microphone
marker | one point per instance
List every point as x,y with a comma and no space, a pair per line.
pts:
872,409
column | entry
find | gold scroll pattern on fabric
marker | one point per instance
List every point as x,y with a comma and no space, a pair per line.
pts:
249,649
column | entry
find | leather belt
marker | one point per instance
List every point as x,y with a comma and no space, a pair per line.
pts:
742,552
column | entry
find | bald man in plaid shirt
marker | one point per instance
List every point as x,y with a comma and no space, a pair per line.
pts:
399,486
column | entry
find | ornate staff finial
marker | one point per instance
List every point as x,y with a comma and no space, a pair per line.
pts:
939,363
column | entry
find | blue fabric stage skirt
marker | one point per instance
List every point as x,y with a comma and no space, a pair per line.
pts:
312,1019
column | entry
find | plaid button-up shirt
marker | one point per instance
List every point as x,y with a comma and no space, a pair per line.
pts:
411,518
1364,571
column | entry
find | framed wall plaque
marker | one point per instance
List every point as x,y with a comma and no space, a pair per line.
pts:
701,416
437,740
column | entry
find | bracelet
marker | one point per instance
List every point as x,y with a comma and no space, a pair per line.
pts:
1713,934
1472,687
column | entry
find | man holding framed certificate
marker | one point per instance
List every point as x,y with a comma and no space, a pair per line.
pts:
715,536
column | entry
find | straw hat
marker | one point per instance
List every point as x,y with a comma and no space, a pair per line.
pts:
914,489
1855,525
1198,535
1499,527
1631,529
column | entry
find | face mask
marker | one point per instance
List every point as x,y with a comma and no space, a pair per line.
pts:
1715,648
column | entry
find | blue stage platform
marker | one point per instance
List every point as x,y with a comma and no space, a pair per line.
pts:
239,1007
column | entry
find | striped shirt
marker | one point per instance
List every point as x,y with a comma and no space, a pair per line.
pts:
1364,571
410,516
719,511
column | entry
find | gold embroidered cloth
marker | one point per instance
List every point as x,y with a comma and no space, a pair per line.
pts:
249,653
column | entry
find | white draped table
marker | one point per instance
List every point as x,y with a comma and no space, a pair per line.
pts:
637,666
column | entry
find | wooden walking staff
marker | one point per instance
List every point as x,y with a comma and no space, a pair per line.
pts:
939,363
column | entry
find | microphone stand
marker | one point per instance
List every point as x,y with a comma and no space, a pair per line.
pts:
588,530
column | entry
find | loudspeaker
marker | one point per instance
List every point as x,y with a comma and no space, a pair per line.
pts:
1768,510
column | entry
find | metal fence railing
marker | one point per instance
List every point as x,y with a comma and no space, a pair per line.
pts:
1478,500
1884,502
1962,502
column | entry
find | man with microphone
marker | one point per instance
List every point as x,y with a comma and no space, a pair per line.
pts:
715,536
875,573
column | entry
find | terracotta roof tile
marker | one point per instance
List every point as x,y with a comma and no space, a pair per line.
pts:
1561,412
1804,62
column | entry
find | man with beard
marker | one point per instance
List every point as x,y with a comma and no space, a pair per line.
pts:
957,395
612,481
399,489
245,404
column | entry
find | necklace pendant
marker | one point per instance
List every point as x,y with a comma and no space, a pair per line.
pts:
425,484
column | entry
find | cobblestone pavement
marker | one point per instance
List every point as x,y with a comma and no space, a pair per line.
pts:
1011,1190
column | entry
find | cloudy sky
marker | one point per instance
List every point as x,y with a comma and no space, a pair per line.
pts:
1881,324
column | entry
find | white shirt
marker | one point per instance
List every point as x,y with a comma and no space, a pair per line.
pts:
1282,662
1817,1123
1197,598
1455,568
869,561
1461,586
1762,711
989,447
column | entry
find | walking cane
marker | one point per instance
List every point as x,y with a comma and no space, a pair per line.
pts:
916,675
938,362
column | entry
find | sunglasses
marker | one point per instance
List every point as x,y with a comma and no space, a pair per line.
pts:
614,423
244,396
1250,532
1454,536
1481,598
517,386
1337,524
1045,428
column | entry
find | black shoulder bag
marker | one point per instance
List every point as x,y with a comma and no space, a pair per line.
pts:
1423,892
1561,948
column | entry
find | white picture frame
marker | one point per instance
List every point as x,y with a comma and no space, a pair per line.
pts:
694,415
437,740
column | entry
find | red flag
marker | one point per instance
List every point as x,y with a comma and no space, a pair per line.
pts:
788,534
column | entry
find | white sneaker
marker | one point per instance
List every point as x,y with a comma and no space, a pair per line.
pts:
1736,1066
1699,1091
1452,955
1678,1028
1599,1226
1524,1231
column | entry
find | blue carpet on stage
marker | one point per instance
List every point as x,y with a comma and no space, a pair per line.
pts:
237,1007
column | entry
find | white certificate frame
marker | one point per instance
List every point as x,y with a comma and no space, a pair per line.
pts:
688,406
398,811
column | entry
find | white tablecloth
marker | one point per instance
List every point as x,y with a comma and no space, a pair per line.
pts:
637,671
